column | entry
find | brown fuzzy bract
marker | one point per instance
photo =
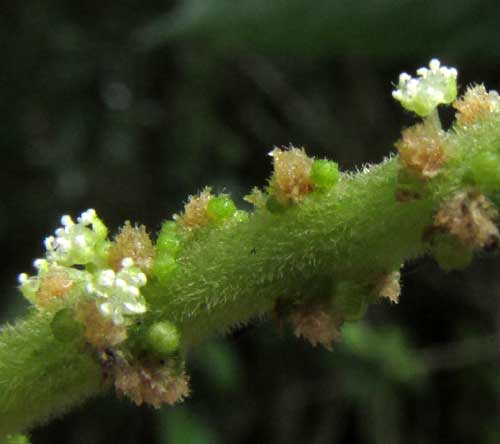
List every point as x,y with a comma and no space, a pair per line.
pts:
53,286
195,211
475,104
292,174
389,286
421,150
151,385
135,243
472,218
315,325
99,331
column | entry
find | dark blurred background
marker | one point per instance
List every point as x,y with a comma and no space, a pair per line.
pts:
128,107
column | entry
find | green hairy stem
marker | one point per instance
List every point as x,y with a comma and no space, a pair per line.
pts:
351,233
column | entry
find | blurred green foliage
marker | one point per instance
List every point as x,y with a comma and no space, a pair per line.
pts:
130,107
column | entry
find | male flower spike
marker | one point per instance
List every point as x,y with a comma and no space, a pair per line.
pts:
434,86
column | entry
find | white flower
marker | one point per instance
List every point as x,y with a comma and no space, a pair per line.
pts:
118,294
79,243
435,85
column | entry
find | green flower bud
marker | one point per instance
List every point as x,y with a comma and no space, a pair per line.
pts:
163,338
435,85
220,208
163,267
324,173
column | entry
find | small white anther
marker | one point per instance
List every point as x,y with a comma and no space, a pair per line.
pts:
404,77
87,217
22,278
105,308
127,262
120,283
422,72
49,242
434,65
141,279
134,307
66,220
40,263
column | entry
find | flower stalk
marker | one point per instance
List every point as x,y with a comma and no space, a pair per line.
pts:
318,249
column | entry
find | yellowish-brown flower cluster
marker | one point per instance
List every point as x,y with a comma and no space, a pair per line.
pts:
316,325
292,175
195,211
476,104
135,243
389,286
100,332
422,150
54,286
471,218
153,384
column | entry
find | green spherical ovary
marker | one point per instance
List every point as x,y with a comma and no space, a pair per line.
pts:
324,173
163,338
164,265
220,207
169,239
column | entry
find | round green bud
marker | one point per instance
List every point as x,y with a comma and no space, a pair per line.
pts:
273,205
324,173
64,327
163,338
169,240
220,207
163,266
485,170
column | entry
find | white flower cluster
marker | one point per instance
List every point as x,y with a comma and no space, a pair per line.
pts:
435,85
77,243
118,294
85,243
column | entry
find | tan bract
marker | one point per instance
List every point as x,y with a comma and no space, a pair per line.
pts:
292,174
315,325
472,218
476,104
100,332
151,385
389,286
135,243
421,150
195,211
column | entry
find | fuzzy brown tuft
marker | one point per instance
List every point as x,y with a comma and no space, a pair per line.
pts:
475,104
421,150
195,211
99,331
292,174
389,286
135,243
154,385
55,285
315,325
470,217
